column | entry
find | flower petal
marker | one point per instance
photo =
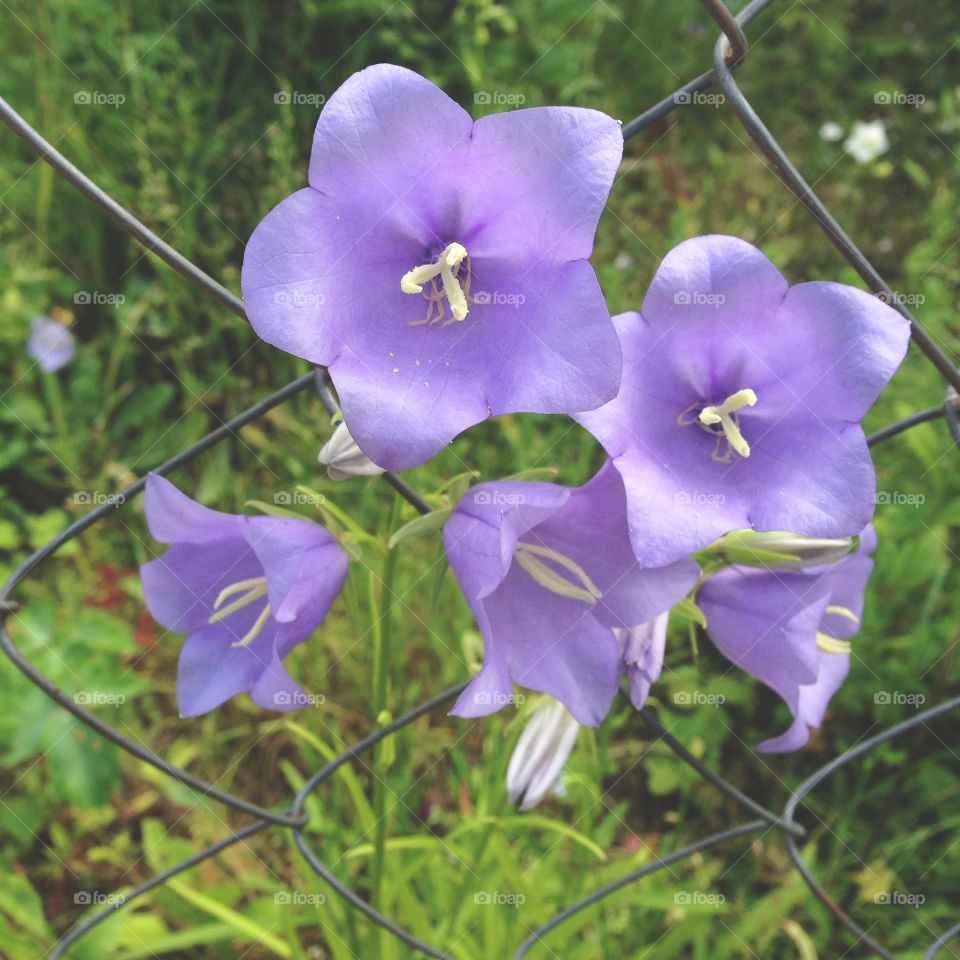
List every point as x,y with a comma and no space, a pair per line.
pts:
174,518
543,176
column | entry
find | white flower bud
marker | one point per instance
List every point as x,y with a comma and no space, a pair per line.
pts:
344,459
540,753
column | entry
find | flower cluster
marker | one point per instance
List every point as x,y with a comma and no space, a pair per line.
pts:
439,269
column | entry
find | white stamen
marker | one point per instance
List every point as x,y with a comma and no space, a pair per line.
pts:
712,415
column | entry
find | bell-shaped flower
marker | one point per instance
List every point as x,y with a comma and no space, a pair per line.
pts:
344,459
792,630
550,574
538,758
642,649
439,267
741,401
51,344
246,590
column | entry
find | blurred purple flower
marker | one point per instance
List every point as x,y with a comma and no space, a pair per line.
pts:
550,575
438,267
247,590
791,630
741,401
51,343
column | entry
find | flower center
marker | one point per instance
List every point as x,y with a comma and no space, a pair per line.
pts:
249,591
445,284
723,422
578,585
829,644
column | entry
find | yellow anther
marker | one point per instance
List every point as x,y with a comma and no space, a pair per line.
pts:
844,612
725,415
529,555
250,591
830,644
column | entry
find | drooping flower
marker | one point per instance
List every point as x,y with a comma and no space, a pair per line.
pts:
792,630
538,758
51,344
642,650
741,401
438,267
344,459
246,590
550,574
867,141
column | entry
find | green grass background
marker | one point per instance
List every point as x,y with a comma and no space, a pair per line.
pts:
200,151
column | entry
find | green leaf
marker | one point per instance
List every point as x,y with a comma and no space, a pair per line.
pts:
420,526
688,610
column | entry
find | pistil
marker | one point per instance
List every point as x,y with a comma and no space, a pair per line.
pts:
725,416
446,269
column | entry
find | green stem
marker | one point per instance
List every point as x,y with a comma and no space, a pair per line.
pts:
382,610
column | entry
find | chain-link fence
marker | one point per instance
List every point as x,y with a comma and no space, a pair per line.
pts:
729,53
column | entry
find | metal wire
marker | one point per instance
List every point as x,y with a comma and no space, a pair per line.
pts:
730,52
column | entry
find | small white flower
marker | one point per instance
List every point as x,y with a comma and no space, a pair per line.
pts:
540,753
867,141
344,459
623,261
831,132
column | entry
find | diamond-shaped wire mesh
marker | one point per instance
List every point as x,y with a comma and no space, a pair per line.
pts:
729,53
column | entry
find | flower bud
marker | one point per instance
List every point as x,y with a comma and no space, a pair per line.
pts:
540,753
782,551
344,459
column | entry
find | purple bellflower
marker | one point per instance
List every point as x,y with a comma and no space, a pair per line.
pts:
51,344
246,590
550,576
438,267
741,401
791,630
